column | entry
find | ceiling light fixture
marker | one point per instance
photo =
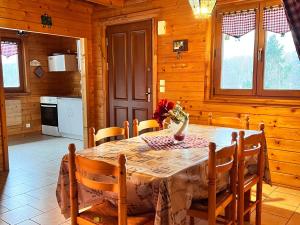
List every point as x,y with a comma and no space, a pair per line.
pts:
202,8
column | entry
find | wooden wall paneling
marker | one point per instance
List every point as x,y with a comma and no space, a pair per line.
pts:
4,146
188,79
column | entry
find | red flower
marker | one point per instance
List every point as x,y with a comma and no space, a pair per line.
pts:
161,112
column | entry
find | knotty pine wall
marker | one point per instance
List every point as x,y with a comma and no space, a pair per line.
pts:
25,108
70,18
186,81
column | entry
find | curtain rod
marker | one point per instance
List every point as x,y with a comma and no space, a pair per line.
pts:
274,7
239,11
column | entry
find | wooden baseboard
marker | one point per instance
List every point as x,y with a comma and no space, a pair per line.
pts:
30,134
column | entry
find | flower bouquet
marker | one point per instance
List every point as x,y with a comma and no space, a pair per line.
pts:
167,109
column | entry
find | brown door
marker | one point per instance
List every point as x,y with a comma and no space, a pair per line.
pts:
130,72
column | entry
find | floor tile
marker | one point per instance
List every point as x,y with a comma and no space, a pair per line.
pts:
3,209
44,205
16,190
19,215
16,201
295,220
278,209
284,198
27,222
270,219
50,218
3,223
288,191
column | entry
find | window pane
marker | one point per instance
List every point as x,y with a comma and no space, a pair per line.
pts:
237,61
282,65
10,64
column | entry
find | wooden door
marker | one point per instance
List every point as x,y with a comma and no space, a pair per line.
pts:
130,72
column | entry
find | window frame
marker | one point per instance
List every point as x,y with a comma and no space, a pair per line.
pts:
21,88
257,90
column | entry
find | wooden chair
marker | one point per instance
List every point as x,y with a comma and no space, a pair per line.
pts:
107,133
80,172
144,125
226,200
251,146
233,122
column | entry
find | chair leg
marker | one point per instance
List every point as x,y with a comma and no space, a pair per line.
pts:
247,203
259,204
233,212
240,211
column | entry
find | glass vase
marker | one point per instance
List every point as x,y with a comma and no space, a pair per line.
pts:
182,132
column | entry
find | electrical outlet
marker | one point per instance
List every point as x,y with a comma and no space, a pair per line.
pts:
28,125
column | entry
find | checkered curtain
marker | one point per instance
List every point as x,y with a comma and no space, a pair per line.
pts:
239,23
292,10
275,20
9,49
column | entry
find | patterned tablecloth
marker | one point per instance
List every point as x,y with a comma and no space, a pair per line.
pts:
164,181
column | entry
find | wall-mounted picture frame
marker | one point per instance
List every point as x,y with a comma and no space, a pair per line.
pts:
180,45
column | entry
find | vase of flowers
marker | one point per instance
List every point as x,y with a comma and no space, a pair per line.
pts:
167,109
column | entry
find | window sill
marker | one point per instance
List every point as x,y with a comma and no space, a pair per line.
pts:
247,100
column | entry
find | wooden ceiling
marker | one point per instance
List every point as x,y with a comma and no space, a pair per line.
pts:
111,3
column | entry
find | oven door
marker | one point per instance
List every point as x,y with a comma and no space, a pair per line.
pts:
49,115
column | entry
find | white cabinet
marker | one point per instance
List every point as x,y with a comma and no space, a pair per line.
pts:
70,118
62,63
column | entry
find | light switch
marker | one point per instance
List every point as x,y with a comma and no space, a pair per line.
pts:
162,83
161,27
162,89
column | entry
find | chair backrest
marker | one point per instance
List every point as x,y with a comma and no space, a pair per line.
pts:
85,171
227,157
144,125
251,146
233,122
108,133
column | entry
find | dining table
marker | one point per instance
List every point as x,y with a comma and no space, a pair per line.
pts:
163,176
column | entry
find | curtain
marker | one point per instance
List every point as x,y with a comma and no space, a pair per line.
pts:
9,49
292,10
239,23
275,20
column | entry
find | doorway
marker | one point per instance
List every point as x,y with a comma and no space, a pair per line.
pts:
130,72
43,89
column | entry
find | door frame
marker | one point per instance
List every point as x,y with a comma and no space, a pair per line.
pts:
84,43
125,19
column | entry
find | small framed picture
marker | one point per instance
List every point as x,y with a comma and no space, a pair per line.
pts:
180,45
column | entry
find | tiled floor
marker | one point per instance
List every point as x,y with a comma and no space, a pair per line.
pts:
27,194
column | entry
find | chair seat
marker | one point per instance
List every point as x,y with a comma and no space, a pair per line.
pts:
202,205
107,214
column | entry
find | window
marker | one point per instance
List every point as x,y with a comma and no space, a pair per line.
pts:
12,65
255,53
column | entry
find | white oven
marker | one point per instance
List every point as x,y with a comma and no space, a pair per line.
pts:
49,115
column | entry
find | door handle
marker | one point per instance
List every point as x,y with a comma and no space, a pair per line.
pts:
148,95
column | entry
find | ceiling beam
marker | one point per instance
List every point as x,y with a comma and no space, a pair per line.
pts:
111,3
